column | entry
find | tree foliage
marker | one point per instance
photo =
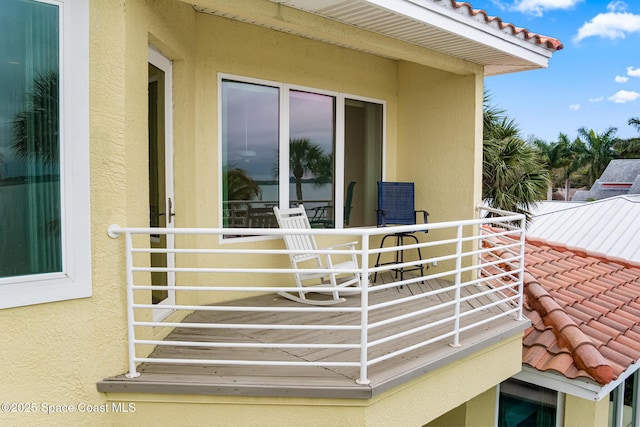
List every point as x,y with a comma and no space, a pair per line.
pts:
630,148
239,185
595,150
35,130
558,156
514,176
306,157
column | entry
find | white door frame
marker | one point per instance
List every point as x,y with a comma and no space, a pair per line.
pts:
163,63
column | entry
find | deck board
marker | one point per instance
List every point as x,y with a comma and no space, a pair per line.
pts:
314,381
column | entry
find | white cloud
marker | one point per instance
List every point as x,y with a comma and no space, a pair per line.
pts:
538,7
615,24
624,96
598,99
617,6
574,107
633,72
621,79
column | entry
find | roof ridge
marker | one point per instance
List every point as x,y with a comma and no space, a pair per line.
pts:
583,351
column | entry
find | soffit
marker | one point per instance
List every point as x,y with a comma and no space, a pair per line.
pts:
445,26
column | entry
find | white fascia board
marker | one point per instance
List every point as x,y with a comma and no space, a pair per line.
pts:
582,388
579,388
448,20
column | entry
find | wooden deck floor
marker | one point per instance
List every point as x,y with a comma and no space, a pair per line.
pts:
311,381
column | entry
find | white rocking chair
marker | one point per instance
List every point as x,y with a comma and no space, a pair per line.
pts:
296,218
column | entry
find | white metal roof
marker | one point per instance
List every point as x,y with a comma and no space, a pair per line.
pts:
609,226
446,26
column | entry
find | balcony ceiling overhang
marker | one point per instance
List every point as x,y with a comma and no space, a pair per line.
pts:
451,28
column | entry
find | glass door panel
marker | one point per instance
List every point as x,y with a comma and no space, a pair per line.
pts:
362,160
161,180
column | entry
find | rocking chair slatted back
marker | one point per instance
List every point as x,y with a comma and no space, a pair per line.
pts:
306,251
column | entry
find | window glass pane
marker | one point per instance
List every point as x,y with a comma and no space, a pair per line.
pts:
523,405
250,135
30,219
311,148
362,161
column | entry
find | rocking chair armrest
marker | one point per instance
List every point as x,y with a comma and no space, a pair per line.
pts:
349,244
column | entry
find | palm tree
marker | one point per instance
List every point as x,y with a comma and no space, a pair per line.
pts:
491,115
595,150
35,130
558,155
513,175
630,148
238,185
308,157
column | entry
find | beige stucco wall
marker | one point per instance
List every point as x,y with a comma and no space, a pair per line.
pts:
582,412
479,411
55,353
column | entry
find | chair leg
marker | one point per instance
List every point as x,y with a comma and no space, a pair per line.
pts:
421,266
375,275
399,256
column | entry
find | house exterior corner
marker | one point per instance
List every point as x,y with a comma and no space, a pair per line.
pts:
427,110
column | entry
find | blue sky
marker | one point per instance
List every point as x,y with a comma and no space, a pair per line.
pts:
594,82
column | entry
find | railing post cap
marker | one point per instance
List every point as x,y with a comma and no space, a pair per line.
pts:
114,231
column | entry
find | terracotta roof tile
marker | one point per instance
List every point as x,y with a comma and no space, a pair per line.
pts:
598,337
614,299
629,342
621,347
596,324
535,355
596,306
576,293
591,288
585,312
579,316
628,313
613,324
616,357
625,322
544,41
562,299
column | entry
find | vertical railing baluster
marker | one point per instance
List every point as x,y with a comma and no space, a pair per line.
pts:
130,313
458,279
364,312
521,270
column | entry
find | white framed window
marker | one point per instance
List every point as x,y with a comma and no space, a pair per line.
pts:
522,404
45,248
285,145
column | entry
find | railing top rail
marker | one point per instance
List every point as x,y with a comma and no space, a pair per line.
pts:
115,230
504,215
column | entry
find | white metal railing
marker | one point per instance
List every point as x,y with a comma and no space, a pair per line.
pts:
486,253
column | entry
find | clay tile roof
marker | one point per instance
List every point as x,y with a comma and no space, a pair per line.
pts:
494,21
590,303
584,310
